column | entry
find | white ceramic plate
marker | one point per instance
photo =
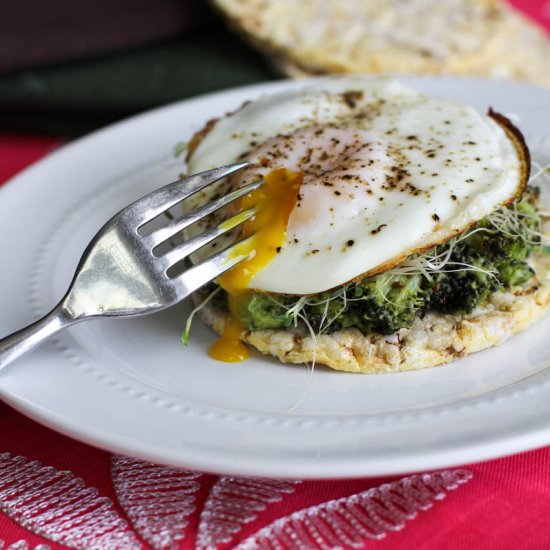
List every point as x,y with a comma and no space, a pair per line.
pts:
129,386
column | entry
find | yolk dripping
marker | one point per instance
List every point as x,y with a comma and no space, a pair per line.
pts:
274,200
229,347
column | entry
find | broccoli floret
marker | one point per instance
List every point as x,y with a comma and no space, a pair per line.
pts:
514,272
383,303
330,311
495,247
508,252
463,290
517,246
326,309
528,204
494,259
389,302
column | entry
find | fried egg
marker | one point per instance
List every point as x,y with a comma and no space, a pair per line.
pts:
359,173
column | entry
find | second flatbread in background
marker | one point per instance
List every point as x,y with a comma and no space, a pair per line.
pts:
461,37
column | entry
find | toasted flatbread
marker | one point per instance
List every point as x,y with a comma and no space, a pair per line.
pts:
433,339
459,37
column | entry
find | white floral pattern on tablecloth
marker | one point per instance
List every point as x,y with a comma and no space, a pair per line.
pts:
159,502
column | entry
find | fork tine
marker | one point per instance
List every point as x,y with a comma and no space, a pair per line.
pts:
157,202
164,233
192,245
207,270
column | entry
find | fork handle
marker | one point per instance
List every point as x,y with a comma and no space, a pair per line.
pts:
17,344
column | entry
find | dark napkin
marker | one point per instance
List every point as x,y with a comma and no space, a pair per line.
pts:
196,54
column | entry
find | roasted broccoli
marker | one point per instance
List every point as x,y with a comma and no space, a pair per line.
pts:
492,258
383,303
463,289
389,302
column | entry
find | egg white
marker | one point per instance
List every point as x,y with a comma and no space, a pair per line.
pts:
388,171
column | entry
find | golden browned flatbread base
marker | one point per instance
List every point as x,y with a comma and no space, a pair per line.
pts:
462,37
433,339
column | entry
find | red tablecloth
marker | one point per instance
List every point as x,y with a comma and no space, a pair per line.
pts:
58,493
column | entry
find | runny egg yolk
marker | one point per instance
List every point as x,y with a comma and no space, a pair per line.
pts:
274,201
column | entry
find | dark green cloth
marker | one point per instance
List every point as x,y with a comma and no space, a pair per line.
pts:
71,99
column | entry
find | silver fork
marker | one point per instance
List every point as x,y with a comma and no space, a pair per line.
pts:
122,274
